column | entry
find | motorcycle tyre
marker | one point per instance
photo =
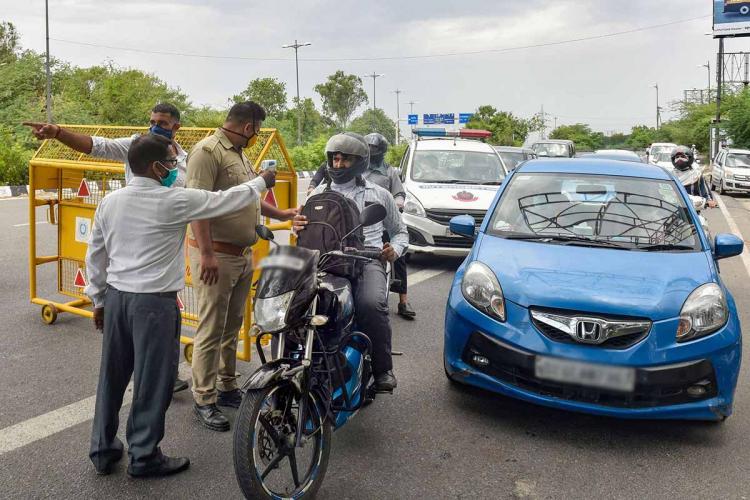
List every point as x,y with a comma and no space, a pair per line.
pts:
244,469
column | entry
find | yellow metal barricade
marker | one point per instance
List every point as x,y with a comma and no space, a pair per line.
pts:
72,184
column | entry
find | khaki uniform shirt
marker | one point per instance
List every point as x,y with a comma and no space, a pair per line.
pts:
214,164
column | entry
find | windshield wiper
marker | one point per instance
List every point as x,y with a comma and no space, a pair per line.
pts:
665,246
568,240
491,183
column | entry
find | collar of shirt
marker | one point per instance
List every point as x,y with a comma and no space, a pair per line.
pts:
139,180
382,168
224,141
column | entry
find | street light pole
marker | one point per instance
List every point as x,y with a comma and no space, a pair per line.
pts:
398,115
373,76
296,45
49,78
658,108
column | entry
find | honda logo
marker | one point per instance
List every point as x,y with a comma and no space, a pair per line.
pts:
589,331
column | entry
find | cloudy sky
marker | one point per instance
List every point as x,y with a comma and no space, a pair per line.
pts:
605,82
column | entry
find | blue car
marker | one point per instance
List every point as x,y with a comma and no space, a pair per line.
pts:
592,287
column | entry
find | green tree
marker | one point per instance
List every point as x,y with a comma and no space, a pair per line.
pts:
8,42
641,136
14,158
268,92
506,128
341,95
309,156
738,119
581,134
205,116
375,121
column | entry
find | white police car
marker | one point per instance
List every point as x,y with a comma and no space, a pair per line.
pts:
447,173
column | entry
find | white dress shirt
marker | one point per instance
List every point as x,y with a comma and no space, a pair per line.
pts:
117,150
138,235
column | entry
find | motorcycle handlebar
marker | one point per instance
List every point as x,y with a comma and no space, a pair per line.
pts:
368,254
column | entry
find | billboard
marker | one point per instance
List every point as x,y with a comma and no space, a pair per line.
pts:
731,18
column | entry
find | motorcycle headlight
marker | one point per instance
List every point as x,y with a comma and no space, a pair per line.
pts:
412,206
270,313
704,312
481,288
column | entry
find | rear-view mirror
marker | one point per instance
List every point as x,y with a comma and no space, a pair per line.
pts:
727,245
463,225
264,233
372,214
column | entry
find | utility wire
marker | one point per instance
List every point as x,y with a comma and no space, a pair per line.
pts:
391,58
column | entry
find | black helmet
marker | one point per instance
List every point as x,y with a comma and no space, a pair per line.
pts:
682,158
351,144
378,147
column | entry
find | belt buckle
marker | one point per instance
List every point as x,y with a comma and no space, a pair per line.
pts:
246,251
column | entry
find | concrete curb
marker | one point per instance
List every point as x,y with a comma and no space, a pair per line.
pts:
305,173
13,191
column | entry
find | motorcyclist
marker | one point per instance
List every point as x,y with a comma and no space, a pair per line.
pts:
387,177
348,157
691,177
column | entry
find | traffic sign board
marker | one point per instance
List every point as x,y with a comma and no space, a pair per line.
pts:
83,189
80,280
464,117
413,119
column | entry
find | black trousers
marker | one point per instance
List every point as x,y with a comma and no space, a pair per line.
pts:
371,306
399,275
140,334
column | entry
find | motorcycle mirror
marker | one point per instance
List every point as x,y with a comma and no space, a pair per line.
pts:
264,233
372,214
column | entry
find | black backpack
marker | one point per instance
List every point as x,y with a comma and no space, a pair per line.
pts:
331,215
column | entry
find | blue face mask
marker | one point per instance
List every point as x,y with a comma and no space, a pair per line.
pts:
171,176
156,129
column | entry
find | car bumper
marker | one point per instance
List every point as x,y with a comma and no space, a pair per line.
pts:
742,186
664,369
427,236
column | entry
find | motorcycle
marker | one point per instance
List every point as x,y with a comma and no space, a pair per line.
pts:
320,376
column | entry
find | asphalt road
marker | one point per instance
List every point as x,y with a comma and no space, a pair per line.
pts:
428,440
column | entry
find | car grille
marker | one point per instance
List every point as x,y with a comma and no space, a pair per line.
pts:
622,342
444,216
452,242
741,178
657,386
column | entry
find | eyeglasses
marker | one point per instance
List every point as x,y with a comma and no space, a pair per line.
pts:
171,161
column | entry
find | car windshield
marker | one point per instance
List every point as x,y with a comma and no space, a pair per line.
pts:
595,210
511,159
551,149
457,167
738,160
666,156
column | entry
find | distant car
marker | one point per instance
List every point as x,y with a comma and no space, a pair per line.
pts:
740,6
731,171
592,287
614,154
554,148
443,176
512,156
657,150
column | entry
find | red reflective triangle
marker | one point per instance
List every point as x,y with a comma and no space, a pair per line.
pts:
80,280
83,189
271,198
180,304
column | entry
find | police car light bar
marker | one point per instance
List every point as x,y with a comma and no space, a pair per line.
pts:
465,133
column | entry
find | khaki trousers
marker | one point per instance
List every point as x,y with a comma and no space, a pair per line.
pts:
221,308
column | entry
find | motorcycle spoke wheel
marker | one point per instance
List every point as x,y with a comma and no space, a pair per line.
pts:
267,462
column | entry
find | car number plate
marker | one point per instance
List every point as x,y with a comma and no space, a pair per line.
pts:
617,378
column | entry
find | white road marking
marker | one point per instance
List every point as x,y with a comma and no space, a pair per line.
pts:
43,426
423,275
28,223
745,255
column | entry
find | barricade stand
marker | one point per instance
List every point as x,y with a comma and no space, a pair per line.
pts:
72,184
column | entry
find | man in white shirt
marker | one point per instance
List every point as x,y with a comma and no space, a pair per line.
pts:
135,267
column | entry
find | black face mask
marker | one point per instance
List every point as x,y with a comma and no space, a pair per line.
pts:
376,160
342,175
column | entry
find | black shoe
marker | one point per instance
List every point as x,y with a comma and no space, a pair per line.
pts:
232,398
405,310
385,382
179,385
210,416
107,469
166,467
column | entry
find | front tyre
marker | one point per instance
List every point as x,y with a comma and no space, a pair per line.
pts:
266,462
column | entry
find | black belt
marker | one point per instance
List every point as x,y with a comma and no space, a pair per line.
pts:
166,295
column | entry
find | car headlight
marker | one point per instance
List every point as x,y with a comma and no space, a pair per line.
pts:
729,174
704,312
481,288
270,313
412,206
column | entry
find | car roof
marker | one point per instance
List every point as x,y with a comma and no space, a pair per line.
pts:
664,144
594,166
554,141
738,151
512,149
452,145
623,152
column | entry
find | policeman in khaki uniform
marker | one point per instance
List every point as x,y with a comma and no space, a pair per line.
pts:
221,261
